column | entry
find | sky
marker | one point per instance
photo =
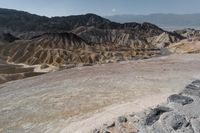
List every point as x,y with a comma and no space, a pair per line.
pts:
102,7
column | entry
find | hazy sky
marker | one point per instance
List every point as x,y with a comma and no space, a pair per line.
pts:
102,7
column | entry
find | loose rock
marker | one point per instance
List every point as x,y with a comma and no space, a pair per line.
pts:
154,115
122,119
180,99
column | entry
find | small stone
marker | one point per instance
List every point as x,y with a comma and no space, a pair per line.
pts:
106,132
122,119
96,131
132,115
44,66
111,125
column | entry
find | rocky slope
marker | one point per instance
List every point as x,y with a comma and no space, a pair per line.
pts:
191,43
26,25
123,34
134,35
180,114
185,46
7,38
165,39
52,49
188,33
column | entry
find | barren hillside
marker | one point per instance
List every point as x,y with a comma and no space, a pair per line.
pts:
65,100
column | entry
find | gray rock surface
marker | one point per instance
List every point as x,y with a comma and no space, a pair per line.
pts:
180,114
155,114
122,119
180,99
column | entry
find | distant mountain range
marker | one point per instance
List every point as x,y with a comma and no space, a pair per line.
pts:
162,20
91,27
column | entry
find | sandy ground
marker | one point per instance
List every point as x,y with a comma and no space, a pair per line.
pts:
91,121
79,99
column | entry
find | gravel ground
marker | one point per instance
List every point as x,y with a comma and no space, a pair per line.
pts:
52,102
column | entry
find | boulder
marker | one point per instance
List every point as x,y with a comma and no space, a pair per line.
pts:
155,114
180,99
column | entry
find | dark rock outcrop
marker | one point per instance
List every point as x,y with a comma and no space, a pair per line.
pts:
179,115
180,99
155,114
7,37
193,89
122,119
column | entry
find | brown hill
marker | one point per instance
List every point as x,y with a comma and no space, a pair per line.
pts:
48,48
189,33
189,45
125,34
132,35
15,72
59,49
185,46
165,39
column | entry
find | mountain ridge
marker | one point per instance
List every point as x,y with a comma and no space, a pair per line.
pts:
160,19
25,25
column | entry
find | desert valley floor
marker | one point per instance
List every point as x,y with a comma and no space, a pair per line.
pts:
82,98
